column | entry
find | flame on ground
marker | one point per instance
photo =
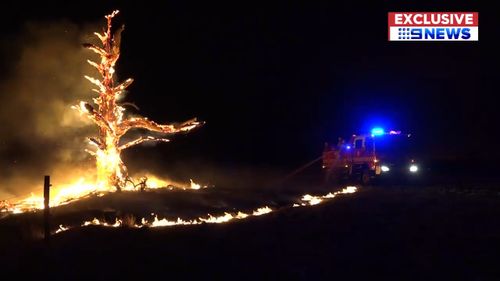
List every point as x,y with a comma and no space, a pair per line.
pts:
61,195
194,185
61,228
164,222
95,221
262,211
306,200
314,200
68,193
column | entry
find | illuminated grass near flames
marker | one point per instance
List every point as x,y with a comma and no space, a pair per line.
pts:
65,194
306,200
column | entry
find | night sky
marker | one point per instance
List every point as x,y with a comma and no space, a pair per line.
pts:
275,81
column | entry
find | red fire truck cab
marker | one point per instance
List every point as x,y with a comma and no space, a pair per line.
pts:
366,157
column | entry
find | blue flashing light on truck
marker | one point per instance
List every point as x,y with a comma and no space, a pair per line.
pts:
371,156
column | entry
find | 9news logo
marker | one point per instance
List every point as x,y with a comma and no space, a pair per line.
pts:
433,26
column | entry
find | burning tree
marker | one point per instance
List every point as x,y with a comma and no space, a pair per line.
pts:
108,114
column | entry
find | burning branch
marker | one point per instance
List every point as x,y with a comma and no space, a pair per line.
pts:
141,140
144,123
108,114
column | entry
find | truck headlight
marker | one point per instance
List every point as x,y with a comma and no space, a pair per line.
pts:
413,168
384,168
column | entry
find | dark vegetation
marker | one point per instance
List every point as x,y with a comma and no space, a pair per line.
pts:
445,231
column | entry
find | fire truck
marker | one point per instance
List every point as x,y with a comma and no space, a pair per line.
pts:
371,156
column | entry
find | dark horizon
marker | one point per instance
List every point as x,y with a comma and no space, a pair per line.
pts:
275,81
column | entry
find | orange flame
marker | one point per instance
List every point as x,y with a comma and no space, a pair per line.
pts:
110,117
68,193
307,200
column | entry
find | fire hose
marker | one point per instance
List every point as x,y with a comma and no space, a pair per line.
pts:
301,168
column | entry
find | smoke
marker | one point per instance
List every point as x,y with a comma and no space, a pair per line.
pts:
39,132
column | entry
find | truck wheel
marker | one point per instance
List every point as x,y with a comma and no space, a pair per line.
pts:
365,178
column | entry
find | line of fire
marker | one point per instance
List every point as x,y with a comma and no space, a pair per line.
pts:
295,142
111,119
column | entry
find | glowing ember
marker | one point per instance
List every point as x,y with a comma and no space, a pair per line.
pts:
108,114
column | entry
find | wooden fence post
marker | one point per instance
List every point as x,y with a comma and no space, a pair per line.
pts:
46,209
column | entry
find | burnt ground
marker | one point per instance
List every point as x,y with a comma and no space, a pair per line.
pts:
445,231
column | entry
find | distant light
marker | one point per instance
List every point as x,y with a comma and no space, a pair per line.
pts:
377,131
413,168
348,147
392,132
384,168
